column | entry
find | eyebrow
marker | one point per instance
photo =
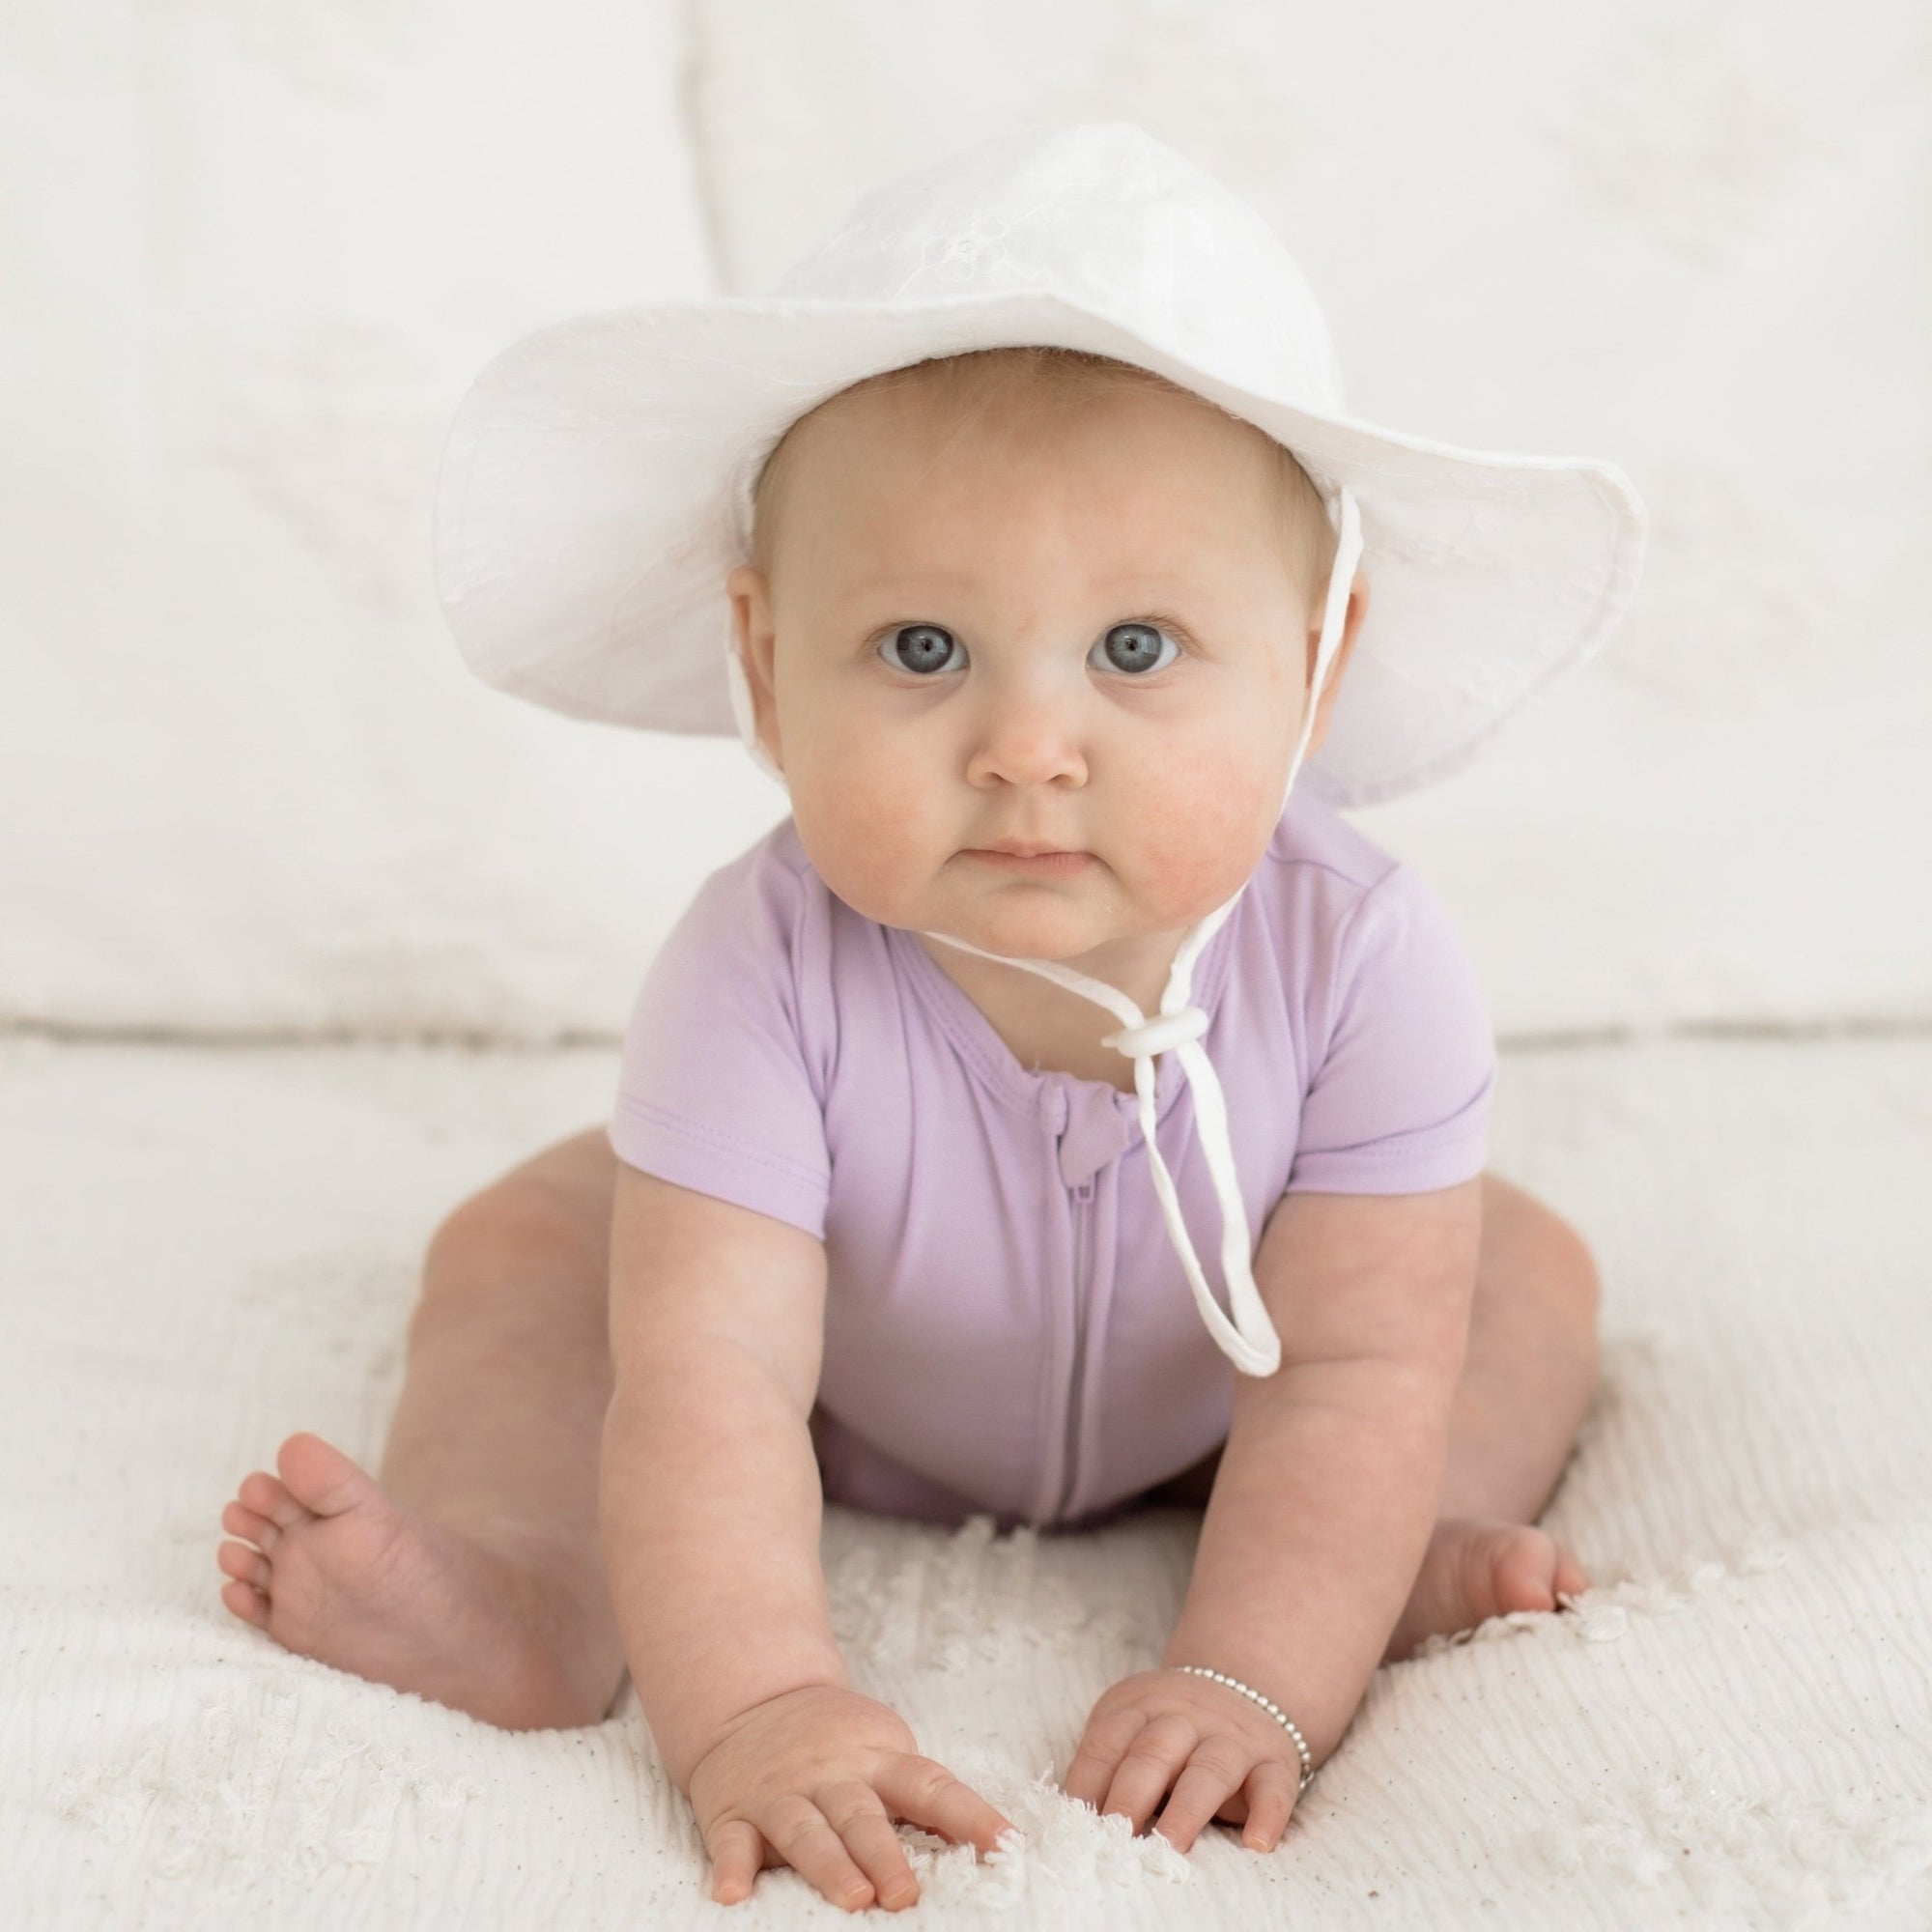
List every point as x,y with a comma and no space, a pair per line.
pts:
914,579
1168,588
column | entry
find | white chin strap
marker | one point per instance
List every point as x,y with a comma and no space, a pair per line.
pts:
1249,1341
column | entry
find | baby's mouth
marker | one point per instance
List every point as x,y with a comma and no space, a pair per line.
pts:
1047,864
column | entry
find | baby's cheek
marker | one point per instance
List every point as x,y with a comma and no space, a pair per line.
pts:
1203,828
862,826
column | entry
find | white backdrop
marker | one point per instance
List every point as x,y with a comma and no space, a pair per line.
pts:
250,258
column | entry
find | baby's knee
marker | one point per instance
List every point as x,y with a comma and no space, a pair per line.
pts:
517,1229
1529,1247
1568,1273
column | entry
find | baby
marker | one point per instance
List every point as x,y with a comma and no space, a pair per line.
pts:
1032,633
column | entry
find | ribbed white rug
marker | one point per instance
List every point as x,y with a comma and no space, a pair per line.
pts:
206,1249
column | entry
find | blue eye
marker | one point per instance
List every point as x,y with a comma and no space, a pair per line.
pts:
1136,648
918,647
926,648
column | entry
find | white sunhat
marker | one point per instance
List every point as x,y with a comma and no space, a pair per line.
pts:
596,489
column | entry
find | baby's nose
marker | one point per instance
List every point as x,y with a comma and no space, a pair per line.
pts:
1034,740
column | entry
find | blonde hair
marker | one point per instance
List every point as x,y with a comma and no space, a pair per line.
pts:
967,385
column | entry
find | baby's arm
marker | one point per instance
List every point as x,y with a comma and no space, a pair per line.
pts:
711,1512
1327,1490
710,1498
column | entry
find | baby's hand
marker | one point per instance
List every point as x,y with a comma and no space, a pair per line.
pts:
812,1778
1145,1728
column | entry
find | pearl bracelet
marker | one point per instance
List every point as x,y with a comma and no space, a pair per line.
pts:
1274,1711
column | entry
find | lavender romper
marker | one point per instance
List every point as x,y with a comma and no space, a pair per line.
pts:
1008,1327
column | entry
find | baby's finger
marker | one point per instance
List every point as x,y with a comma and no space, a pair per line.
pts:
1092,1771
857,1815
1217,1767
928,1794
803,1836
737,1857
1271,1788
1156,1753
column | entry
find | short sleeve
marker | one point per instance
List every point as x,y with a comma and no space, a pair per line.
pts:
1400,1100
715,1090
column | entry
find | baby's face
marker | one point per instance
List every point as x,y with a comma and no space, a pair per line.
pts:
1078,631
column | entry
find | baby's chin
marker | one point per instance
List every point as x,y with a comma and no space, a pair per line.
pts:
1028,917
1031,922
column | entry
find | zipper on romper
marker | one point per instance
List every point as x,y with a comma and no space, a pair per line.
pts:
1081,1196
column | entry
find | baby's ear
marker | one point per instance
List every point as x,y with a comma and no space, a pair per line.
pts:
1352,613
756,636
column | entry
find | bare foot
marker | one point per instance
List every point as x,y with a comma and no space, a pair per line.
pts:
1475,1570
339,1573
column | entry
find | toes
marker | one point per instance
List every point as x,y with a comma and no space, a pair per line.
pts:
245,1565
247,1603
259,1530
1572,1579
1533,1570
265,1495
1525,1569
321,1477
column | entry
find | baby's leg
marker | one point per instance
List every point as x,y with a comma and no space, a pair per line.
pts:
470,1571
1530,1370
1528,1377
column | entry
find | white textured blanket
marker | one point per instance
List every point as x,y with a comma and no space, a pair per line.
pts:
206,1249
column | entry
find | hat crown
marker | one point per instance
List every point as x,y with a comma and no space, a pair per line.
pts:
1106,217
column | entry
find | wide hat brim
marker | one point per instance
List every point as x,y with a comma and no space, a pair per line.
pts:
593,493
